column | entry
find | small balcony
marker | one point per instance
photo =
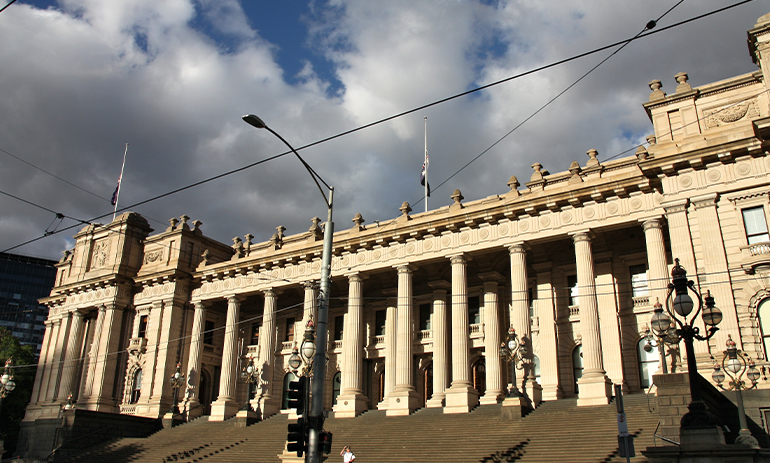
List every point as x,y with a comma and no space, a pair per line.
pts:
755,255
137,345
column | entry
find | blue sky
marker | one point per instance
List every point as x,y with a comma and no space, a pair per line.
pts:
173,78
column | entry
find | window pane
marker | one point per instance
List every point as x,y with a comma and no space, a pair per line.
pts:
639,280
756,225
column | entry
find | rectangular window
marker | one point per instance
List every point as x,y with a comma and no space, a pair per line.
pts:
756,224
255,334
208,333
424,317
572,283
639,280
142,326
339,324
474,316
379,322
531,301
289,330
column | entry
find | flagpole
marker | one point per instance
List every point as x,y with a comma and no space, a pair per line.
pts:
120,180
426,164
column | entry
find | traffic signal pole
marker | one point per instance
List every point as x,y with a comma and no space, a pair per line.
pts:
315,417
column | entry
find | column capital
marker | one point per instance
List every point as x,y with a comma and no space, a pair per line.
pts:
77,313
517,248
270,292
656,222
583,235
679,205
234,298
705,200
355,276
405,268
310,284
458,259
200,305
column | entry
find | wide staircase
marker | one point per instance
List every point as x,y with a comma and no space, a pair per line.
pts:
557,431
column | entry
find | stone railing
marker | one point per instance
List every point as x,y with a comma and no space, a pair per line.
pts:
287,346
574,313
128,409
641,301
477,330
755,255
424,334
252,351
337,344
137,345
379,340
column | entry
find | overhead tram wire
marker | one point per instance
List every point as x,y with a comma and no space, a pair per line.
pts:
6,6
649,26
404,113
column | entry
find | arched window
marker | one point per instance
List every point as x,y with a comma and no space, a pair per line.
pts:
649,362
136,388
336,385
764,323
577,364
289,377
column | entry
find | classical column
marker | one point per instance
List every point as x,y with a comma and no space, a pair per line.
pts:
390,353
52,368
57,361
440,345
595,387
549,345
403,400
461,397
656,259
167,355
267,403
226,405
42,363
310,304
352,401
520,319
193,405
494,377
714,263
71,359
93,354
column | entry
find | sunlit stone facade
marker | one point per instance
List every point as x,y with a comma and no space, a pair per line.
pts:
574,261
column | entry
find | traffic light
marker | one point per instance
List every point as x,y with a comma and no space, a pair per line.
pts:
297,437
325,443
297,394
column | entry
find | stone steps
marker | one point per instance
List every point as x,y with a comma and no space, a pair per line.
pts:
555,431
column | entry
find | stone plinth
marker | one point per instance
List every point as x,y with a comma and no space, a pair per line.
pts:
461,399
350,406
173,418
245,417
514,408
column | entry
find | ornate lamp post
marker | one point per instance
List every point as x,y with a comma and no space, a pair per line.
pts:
735,363
177,381
513,350
669,338
250,375
7,384
698,417
306,353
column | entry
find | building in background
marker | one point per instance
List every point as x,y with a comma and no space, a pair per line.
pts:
24,280
420,304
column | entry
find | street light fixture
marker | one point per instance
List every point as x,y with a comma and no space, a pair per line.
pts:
7,384
177,381
512,351
250,375
698,417
668,339
315,417
735,363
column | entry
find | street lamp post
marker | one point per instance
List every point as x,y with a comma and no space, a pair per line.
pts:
250,375
177,381
669,338
7,384
735,363
316,417
512,351
698,417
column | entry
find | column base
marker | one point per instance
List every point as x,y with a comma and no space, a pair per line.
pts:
552,392
223,409
594,390
350,405
437,401
402,403
384,404
266,406
492,398
461,399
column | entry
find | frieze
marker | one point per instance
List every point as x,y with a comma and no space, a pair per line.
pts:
153,256
732,113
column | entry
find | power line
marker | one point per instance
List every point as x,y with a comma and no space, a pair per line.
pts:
404,113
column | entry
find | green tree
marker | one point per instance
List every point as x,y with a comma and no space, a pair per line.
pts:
14,404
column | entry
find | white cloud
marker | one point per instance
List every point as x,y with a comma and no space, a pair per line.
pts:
81,81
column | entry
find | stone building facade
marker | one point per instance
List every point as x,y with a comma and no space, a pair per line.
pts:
420,304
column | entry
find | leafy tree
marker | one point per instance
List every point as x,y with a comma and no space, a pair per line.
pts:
14,404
